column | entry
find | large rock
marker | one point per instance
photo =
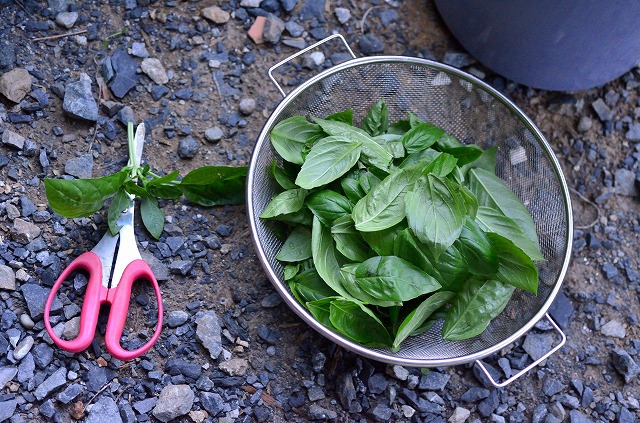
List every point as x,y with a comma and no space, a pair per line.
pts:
104,410
15,84
80,167
67,19
273,29
79,101
7,55
24,232
36,296
209,332
13,139
216,15
153,68
124,66
7,278
174,401
624,364
50,384
7,408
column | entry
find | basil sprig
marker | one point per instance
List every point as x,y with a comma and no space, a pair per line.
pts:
207,186
394,225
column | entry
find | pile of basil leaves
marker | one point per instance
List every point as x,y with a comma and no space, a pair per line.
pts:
392,226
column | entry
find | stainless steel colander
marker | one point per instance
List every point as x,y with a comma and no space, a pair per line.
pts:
473,112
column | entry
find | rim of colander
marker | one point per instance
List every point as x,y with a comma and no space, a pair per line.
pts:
344,342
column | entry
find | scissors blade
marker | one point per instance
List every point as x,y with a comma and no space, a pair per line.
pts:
138,143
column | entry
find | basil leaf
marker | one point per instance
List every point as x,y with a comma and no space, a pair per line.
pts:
491,191
132,188
392,144
491,220
164,179
399,127
291,270
470,202
452,268
215,185
311,287
377,119
408,248
447,142
297,247
282,177
368,181
119,203
421,137
348,274
290,136
301,217
328,205
474,307
329,158
514,266
486,161
415,120
348,241
324,257
477,249
286,202
152,216
465,154
435,213
442,165
357,322
345,116
351,187
171,192
82,197
321,310
383,206
424,157
393,279
417,317
373,153
382,241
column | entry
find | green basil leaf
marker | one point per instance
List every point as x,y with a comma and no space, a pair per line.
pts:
408,248
442,165
311,287
171,192
452,268
477,249
132,188
514,265
344,116
377,119
282,177
297,247
465,154
491,191
486,161
392,144
421,137
152,216
417,317
357,322
435,213
382,241
368,180
471,203
286,202
321,310
399,127
491,220
348,274
372,152
300,217
164,179
291,270
351,187
119,203
447,142
351,245
215,185
328,206
329,158
383,206
81,197
474,307
290,137
324,257
424,158
391,278
415,120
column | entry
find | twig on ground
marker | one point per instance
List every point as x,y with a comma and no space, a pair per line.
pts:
55,37
94,397
23,8
364,18
586,200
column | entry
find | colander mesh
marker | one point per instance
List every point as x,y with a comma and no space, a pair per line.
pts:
471,113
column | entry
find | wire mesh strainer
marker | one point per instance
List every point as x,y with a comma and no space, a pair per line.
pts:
473,112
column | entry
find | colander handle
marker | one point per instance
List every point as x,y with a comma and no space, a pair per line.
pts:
530,366
303,51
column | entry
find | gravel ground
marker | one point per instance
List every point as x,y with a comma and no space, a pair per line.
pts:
230,350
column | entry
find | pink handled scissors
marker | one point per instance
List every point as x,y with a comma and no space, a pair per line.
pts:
103,288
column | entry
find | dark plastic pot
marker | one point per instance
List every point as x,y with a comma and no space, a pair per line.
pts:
560,45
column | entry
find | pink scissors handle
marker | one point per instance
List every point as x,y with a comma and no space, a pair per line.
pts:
119,299
95,295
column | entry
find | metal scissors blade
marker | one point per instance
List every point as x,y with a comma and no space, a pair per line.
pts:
138,144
